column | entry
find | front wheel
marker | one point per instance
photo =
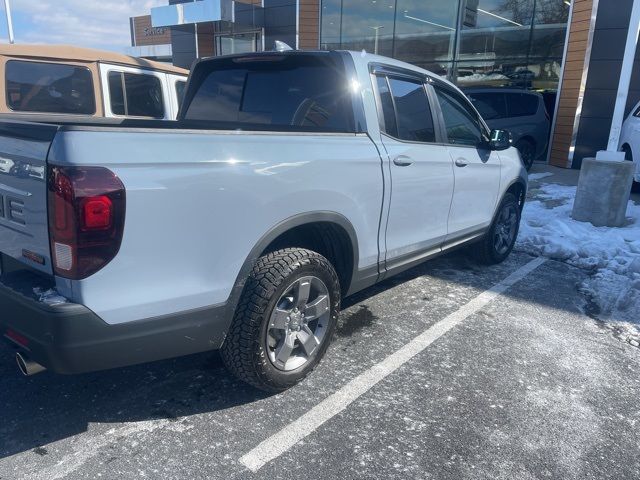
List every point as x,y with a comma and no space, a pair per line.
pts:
497,244
285,319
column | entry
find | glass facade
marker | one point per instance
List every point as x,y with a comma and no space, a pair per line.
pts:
516,43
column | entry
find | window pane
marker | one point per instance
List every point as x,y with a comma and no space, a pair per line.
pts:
331,20
415,122
299,92
115,93
388,112
49,87
425,30
180,86
495,29
522,104
549,28
367,24
460,120
505,73
144,95
490,105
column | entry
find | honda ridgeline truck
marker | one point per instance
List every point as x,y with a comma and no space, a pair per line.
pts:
290,180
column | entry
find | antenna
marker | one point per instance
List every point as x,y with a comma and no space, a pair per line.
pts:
279,46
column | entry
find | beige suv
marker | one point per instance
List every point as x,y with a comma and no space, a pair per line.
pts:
65,80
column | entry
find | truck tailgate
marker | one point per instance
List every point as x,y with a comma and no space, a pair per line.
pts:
23,192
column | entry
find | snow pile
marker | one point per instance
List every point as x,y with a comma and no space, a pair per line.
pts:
611,254
50,297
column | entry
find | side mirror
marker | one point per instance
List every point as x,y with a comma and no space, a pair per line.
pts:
500,140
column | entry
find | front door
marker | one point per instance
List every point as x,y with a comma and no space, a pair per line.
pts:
420,172
476,168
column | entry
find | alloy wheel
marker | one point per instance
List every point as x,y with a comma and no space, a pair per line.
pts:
298,324
505,229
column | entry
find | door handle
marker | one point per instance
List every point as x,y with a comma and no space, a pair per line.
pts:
402,161
461,162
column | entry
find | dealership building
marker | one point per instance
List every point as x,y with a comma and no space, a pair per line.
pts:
570,51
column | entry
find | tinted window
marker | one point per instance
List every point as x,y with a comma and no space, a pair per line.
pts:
180,86
415,122
386,103
49,87
287,92
461,122
116,93
490,105
136,95
522,104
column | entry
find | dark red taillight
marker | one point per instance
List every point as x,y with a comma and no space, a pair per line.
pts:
86,219
97,213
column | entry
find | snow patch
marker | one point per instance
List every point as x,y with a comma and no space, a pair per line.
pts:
611,254
539,176
49,297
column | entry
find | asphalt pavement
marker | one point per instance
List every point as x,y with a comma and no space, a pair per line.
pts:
450,371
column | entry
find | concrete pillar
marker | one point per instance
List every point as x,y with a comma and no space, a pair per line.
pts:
603,192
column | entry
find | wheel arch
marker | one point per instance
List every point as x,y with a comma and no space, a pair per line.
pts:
518,188
294,232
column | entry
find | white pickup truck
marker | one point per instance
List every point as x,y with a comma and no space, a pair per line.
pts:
290,180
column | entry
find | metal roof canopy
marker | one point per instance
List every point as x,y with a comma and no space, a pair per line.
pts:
208,11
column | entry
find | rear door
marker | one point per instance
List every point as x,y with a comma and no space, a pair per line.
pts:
476,168
23,192
420,170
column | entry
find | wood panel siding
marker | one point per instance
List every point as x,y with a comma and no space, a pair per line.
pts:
309,25
572,88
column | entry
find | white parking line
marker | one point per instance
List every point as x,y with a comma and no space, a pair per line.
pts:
305,425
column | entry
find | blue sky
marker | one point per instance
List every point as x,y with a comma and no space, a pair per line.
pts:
86,23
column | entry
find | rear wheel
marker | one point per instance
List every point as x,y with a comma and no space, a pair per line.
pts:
285,319
497,244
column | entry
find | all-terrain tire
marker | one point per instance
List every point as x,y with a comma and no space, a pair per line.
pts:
245,349
486,250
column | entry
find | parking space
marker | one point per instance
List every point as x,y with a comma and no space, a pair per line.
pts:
508,383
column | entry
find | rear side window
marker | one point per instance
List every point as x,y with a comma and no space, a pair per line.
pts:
461,121
490,105
180,86
49,88
135,95
386,104
288,92
522,104
415,122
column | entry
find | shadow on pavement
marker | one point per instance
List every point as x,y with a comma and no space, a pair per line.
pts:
47,407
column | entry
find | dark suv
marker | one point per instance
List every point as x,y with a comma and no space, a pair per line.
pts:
521,112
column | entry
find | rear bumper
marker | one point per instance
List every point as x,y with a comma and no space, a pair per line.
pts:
69,338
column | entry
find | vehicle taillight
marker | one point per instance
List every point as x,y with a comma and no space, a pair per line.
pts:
86,219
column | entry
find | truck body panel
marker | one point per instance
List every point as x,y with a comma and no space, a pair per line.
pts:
206,197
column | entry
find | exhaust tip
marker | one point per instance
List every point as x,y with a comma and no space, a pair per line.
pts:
27,366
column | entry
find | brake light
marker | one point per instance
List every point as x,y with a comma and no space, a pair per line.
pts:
97,213
86,219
